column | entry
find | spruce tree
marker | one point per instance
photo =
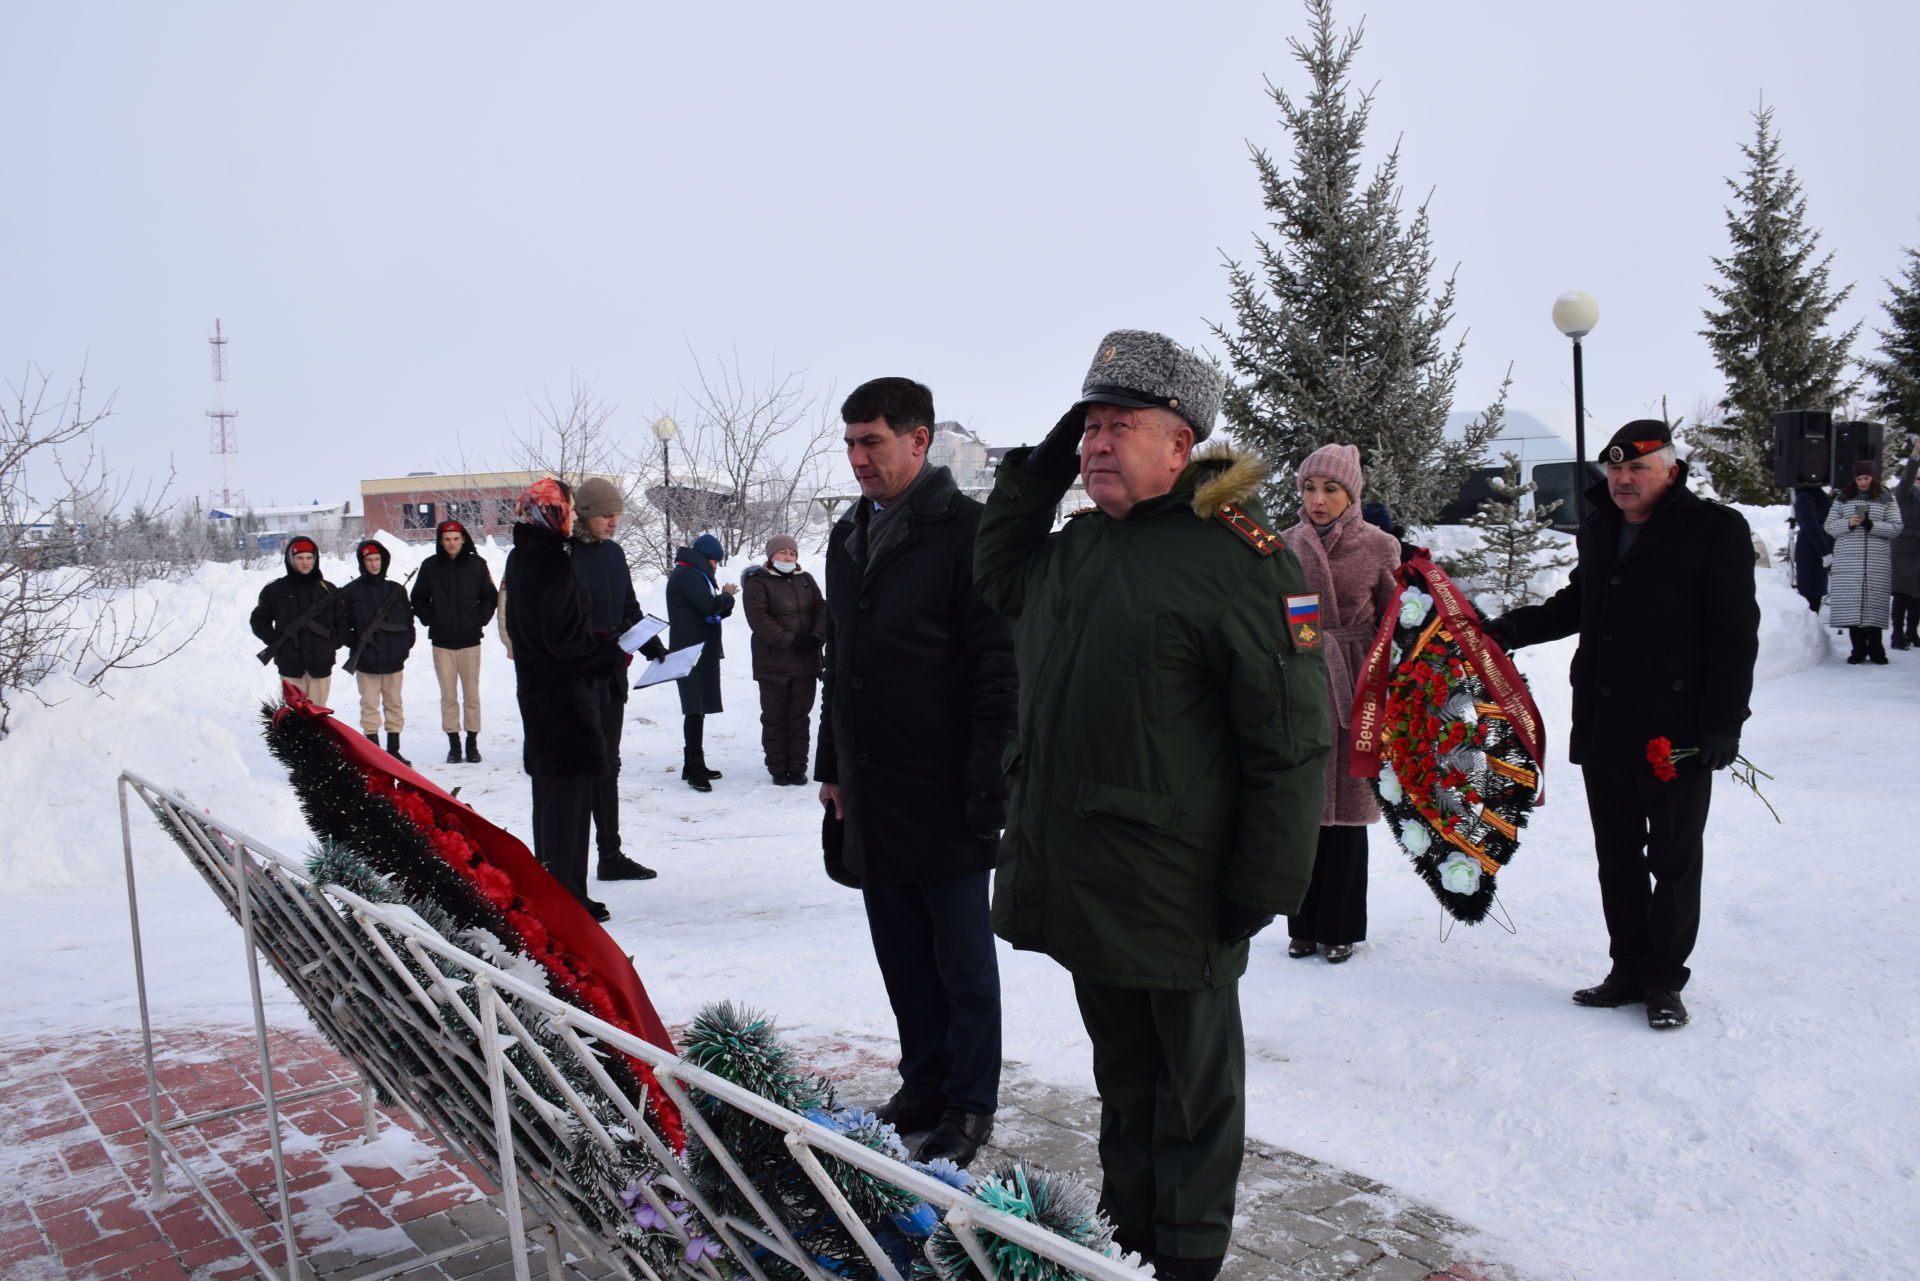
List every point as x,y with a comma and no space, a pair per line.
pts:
1338,328
1769,331
1513,544
1895,398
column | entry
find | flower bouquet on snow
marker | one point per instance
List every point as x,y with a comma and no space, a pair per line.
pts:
1444,726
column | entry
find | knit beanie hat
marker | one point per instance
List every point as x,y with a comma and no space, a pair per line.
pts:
782,543
709,546
545,503
1865,467
1338,463
597,496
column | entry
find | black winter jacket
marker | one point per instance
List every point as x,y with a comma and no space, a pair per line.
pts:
920,694
692,600
375,622
559,663
601,564
1668,633
282,603
454,596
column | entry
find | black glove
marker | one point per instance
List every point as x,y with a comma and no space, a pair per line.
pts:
1500,632
1866,524
833,833
1057,458
1237,921
986,813
1718,750
653,649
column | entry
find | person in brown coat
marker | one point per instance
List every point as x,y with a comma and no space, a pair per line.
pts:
1350,565
785,612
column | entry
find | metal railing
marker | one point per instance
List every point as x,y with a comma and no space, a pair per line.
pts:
491,1065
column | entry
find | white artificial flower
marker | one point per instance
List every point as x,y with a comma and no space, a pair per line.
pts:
1390,790
1414,838
1459,875
1414,607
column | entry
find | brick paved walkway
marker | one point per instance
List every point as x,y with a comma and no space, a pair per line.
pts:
73,1175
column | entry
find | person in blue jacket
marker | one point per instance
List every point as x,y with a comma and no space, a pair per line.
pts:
696,604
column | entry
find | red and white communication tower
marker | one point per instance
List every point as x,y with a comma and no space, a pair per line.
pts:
224,438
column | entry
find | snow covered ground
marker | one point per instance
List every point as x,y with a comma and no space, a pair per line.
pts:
1775,1137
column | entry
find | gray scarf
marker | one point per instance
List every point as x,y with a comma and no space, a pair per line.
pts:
876,532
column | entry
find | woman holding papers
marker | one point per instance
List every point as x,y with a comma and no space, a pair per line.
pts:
696,604
784,607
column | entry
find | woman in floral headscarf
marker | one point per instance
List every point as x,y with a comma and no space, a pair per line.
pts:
1350,564
558,663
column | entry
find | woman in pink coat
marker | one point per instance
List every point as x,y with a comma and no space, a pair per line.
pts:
1351,565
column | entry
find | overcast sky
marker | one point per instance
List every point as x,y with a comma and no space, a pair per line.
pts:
412,217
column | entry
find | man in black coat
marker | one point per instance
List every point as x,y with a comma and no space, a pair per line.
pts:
919,706
559,665
454,596
376,627
601,564
697,604
1663,601
295,618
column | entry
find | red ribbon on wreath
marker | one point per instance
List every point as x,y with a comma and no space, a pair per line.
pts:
1489,662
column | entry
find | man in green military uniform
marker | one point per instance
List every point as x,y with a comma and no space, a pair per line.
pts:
1167,773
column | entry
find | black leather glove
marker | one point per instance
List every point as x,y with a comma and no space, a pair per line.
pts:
985,813
653,649
1057,458
1501,632
833,834
1718,750
1238,921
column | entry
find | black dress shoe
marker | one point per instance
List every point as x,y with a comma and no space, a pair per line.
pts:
622,868
597,910
1172,1267
911,1114
1338,952
958,1138
1609,992
1665,1010
1297,948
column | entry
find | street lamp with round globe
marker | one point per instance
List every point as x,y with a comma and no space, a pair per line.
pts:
1575,314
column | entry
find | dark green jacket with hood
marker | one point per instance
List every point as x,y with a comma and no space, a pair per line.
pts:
1172,741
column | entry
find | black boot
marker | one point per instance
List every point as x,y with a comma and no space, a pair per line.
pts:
1859,653
453,748
473,748
373,736
619,867
959,1137
1612,991
1876,650
694,770
393,748
1174,1267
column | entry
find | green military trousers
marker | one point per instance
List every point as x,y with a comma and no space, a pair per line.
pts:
1171,1069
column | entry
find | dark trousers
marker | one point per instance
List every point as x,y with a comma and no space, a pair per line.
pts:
1647,836
1335,908
1906,616
606,788
562,810
1172,1073
785,704
934,942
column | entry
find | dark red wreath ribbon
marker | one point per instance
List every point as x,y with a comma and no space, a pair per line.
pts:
561,937
1489,662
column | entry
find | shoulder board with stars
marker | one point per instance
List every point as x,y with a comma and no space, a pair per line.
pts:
1084,511
1256,536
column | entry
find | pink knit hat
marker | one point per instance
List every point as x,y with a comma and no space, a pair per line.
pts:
1338,463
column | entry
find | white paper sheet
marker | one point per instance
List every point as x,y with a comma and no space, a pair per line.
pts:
672,667
641,632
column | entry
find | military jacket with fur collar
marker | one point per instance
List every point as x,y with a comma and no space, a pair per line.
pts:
1173,737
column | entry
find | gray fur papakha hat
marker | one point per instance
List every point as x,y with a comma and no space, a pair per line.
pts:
1140,370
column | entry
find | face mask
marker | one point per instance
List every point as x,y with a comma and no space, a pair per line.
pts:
785,566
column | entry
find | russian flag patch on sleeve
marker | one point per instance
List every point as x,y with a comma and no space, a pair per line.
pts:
1303,620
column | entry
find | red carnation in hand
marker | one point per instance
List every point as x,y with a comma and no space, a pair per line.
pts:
1660,756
